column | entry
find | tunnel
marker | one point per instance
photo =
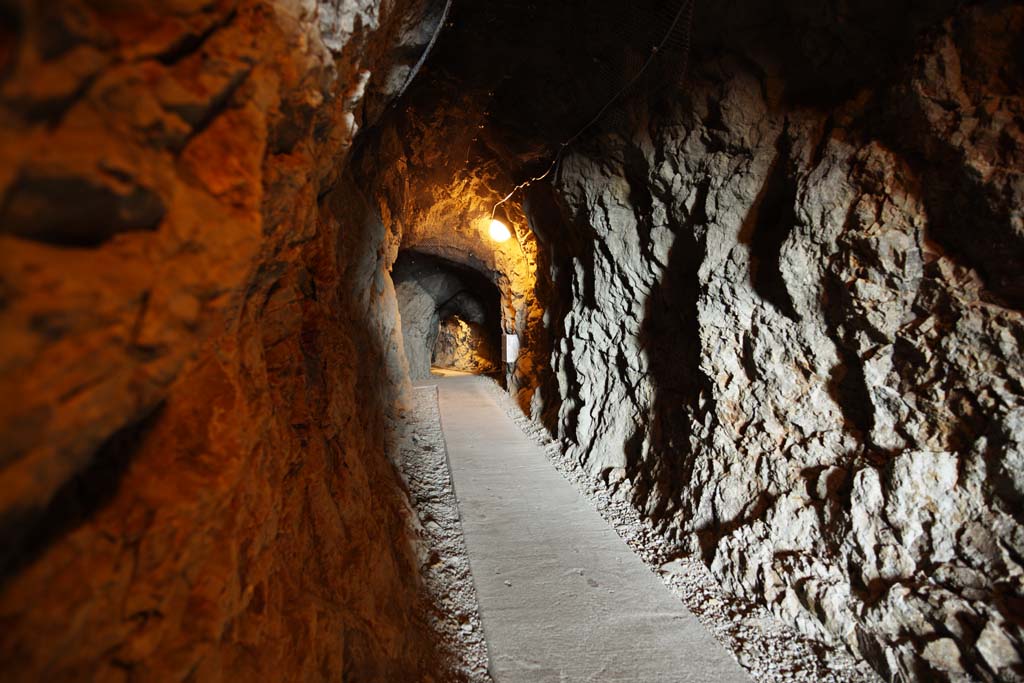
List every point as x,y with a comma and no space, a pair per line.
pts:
451,316
510,340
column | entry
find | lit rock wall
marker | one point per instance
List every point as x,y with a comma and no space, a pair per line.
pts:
199,351
793,333
464,346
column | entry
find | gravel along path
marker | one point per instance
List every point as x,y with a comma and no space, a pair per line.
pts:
444,565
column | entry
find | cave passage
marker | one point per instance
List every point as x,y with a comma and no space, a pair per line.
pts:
762,264
451,315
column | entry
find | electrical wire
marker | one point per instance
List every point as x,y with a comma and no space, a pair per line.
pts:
685,12
426,52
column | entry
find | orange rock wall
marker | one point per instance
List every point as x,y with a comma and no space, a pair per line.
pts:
198,356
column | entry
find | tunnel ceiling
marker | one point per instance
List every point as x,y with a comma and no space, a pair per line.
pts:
508,82
455,288
537,72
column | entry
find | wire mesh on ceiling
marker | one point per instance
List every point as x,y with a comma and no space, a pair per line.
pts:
652,57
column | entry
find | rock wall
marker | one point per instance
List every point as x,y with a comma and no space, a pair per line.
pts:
465,346
787,318
781,306
200,355
417,309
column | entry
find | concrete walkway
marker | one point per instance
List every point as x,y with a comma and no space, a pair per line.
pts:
561,595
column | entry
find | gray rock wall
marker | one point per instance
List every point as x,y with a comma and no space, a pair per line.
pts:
794,334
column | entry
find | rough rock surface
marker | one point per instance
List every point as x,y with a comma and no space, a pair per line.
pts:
793,334
200,350
465,346
779,309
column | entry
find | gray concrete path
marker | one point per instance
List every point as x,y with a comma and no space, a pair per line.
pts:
562,597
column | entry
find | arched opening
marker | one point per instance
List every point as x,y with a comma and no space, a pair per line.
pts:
451,316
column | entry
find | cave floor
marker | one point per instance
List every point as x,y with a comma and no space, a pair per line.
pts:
562,597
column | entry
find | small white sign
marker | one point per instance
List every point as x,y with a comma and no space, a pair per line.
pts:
510,347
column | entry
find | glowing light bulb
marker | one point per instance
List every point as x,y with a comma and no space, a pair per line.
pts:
498,231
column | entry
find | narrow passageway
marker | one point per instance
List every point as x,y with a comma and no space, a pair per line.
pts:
562,597
728,297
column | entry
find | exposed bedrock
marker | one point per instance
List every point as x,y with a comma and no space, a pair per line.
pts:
200,350
789,323
466,346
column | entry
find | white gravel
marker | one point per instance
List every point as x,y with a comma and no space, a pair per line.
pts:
444,565
768,649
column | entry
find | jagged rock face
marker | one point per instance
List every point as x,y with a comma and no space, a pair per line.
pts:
794,333
465,346
200,349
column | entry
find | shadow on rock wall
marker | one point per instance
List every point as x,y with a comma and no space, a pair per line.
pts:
824,394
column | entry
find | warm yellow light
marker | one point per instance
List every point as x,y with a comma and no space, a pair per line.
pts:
499,231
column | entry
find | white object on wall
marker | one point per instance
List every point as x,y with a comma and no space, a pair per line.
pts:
509,347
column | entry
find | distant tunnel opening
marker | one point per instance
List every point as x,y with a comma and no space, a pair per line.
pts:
451,316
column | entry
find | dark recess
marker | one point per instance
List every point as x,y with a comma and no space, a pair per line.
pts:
766,228
86,214
26,534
